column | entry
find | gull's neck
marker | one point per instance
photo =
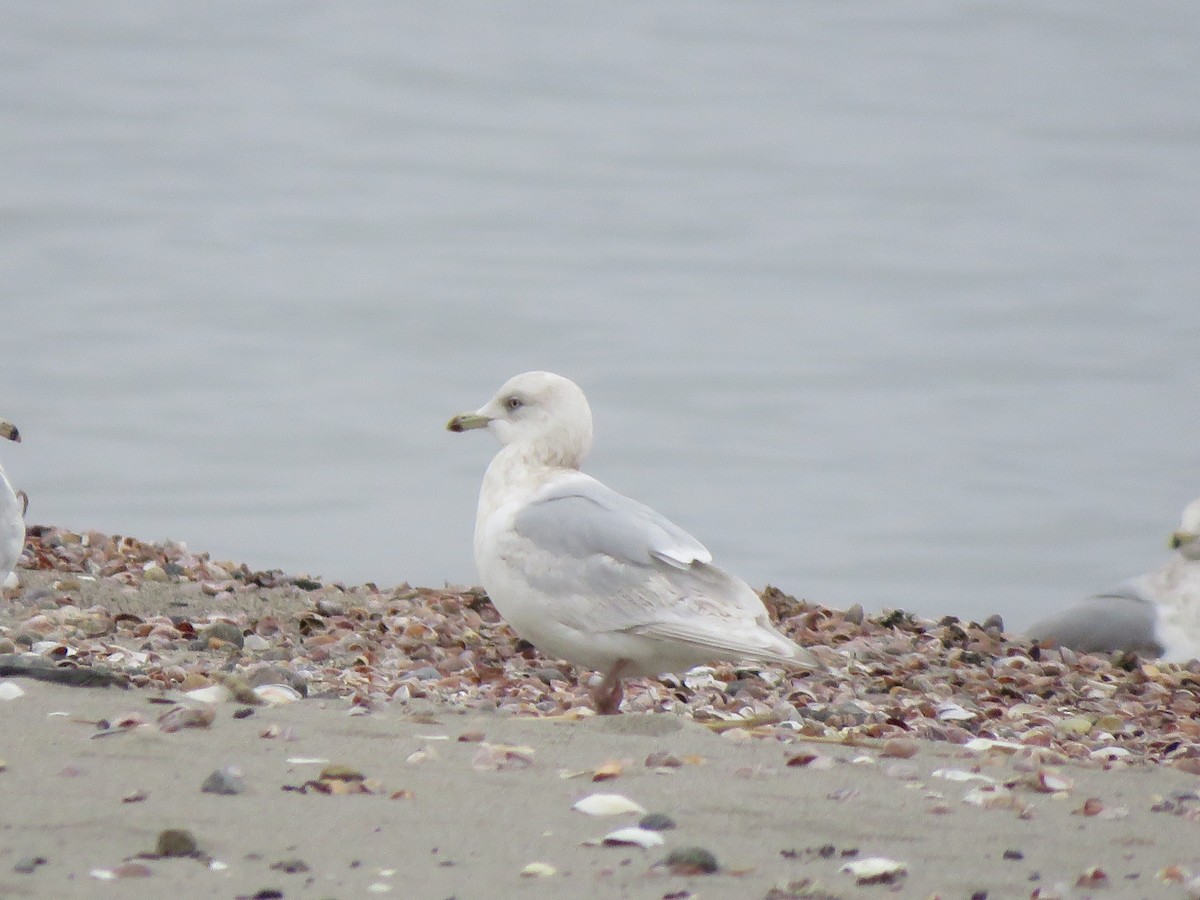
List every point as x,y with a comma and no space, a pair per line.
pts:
518,469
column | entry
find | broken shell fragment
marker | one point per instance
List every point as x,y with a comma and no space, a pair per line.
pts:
607,805
1047,781
500,757
633,837
608,771
186,717
876,870
538,870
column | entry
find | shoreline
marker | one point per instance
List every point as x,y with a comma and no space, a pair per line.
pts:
464,738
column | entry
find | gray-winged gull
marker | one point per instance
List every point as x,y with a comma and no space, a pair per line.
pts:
12,514
1156,614
588,575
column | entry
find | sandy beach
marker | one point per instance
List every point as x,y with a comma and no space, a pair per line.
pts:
434,756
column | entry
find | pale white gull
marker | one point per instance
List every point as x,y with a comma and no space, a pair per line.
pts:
1156,614
12,515
588,575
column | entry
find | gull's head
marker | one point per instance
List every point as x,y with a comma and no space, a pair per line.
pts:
1187,539
545,414
9,430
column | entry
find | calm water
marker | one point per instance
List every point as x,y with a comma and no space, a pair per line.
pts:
887,303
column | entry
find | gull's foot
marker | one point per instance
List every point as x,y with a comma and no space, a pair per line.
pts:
607,695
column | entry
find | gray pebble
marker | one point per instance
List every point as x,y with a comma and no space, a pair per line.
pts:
223,781
657,822
176,842
26,865
425,673
548,675
278,675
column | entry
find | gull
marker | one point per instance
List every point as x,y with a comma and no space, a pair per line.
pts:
12,514
588,575
1156,614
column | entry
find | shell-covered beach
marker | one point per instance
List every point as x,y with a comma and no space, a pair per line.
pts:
327,740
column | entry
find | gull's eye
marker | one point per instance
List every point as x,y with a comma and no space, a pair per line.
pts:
514,403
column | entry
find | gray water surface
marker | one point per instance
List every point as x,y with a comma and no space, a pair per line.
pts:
887,303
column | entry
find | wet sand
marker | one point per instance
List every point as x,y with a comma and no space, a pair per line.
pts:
783,809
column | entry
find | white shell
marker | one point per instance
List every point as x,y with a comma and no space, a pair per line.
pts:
538,870
214,693
989,796
961,775
275,694
11,691
983,745
952,712
875,867
637,837
608,805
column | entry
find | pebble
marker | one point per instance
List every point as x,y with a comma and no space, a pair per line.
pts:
26,865
224,781
276,674
290,866
691,861
657,822
176,842
224,632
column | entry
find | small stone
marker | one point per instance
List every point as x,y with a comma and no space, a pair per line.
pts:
900,748
327,607
1013,854
224,781
691,861
26,865
657,822
425,673
155,572
275,674
663,759
854,614
223,633
290,866
176,842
